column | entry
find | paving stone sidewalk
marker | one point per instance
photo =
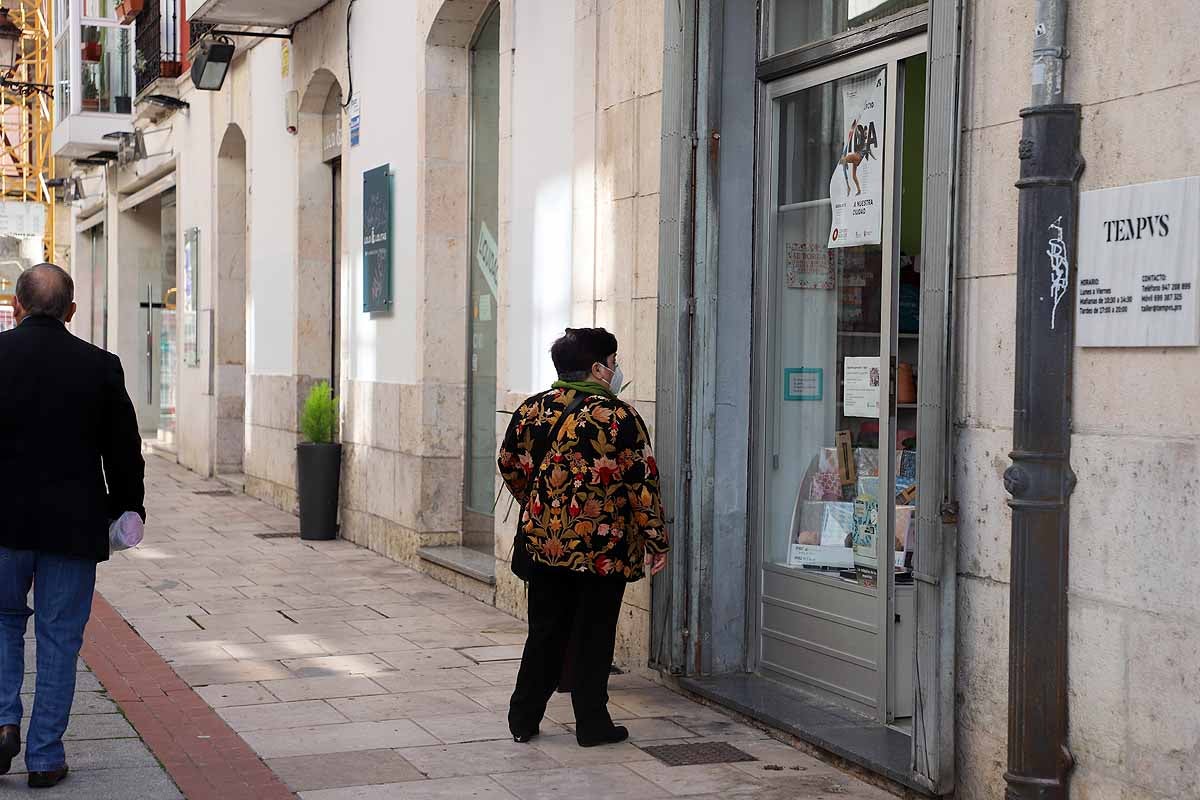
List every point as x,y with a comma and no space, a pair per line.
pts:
107,758
355,677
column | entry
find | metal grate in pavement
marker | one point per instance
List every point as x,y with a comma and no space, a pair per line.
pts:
277,535
686,755
214,492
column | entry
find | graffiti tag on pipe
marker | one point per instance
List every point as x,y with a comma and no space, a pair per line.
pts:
1059,267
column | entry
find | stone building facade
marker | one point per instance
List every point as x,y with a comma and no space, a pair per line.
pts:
615,125
576,171
1132,718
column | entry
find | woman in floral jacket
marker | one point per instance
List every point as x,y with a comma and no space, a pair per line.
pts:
591,521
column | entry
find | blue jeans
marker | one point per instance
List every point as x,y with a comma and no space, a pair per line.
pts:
62,595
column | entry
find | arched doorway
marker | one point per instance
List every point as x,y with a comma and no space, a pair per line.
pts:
230,378
320,203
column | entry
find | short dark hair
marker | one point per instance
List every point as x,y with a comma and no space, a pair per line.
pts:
579,348
46,290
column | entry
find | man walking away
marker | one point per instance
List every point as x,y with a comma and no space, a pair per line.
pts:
579,462
70,462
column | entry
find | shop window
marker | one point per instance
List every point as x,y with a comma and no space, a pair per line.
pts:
796,23
484,306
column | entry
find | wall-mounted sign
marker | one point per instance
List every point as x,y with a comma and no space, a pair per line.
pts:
856,188
22,220
191,293
803,383
377,240
355,119
860,393
487,257
1138,265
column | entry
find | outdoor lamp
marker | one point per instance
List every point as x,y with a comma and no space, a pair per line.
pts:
10,53
211,65
10,40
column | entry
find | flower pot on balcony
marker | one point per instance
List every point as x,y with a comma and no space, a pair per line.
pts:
171,69
127,10
124,104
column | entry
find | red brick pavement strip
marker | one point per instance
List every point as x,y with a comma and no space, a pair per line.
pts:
202,754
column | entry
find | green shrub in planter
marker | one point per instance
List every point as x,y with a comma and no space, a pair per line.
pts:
319,417
319,465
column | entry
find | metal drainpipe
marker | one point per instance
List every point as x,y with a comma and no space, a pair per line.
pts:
1040,479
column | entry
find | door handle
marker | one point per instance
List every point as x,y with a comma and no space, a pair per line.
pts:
149,345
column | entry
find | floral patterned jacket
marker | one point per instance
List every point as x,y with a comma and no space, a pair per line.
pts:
592,505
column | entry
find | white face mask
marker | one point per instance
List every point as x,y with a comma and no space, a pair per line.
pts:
616,381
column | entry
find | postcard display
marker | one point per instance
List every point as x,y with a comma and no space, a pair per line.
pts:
835,525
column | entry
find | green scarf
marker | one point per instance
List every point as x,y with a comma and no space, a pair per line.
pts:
587,387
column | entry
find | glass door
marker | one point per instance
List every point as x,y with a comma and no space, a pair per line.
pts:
480,473
828,274
163,313
99,258
335,347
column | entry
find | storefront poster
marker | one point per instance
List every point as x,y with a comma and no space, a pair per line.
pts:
860,392
1138,266
856,188
810,265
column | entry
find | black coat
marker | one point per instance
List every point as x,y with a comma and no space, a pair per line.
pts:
70,449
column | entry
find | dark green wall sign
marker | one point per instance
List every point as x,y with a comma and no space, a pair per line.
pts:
377,240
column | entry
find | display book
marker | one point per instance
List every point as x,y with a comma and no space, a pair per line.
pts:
836,514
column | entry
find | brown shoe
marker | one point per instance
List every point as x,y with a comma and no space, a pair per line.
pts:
10,745
45,780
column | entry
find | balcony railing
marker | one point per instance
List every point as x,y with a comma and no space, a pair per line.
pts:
196,32
159,54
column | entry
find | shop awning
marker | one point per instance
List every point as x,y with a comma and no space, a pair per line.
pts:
259,13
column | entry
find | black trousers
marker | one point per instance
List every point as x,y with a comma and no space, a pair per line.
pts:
560,603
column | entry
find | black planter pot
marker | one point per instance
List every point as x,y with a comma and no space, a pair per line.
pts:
319,472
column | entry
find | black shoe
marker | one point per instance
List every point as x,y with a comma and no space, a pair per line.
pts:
45,780
10,745
524,737
614,735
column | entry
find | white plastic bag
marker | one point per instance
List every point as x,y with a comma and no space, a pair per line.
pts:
125,532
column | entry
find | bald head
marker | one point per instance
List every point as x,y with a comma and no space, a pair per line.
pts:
46,291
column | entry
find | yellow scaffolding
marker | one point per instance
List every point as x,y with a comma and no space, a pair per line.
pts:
27,120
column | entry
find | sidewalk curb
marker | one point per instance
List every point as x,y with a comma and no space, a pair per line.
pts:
202,754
